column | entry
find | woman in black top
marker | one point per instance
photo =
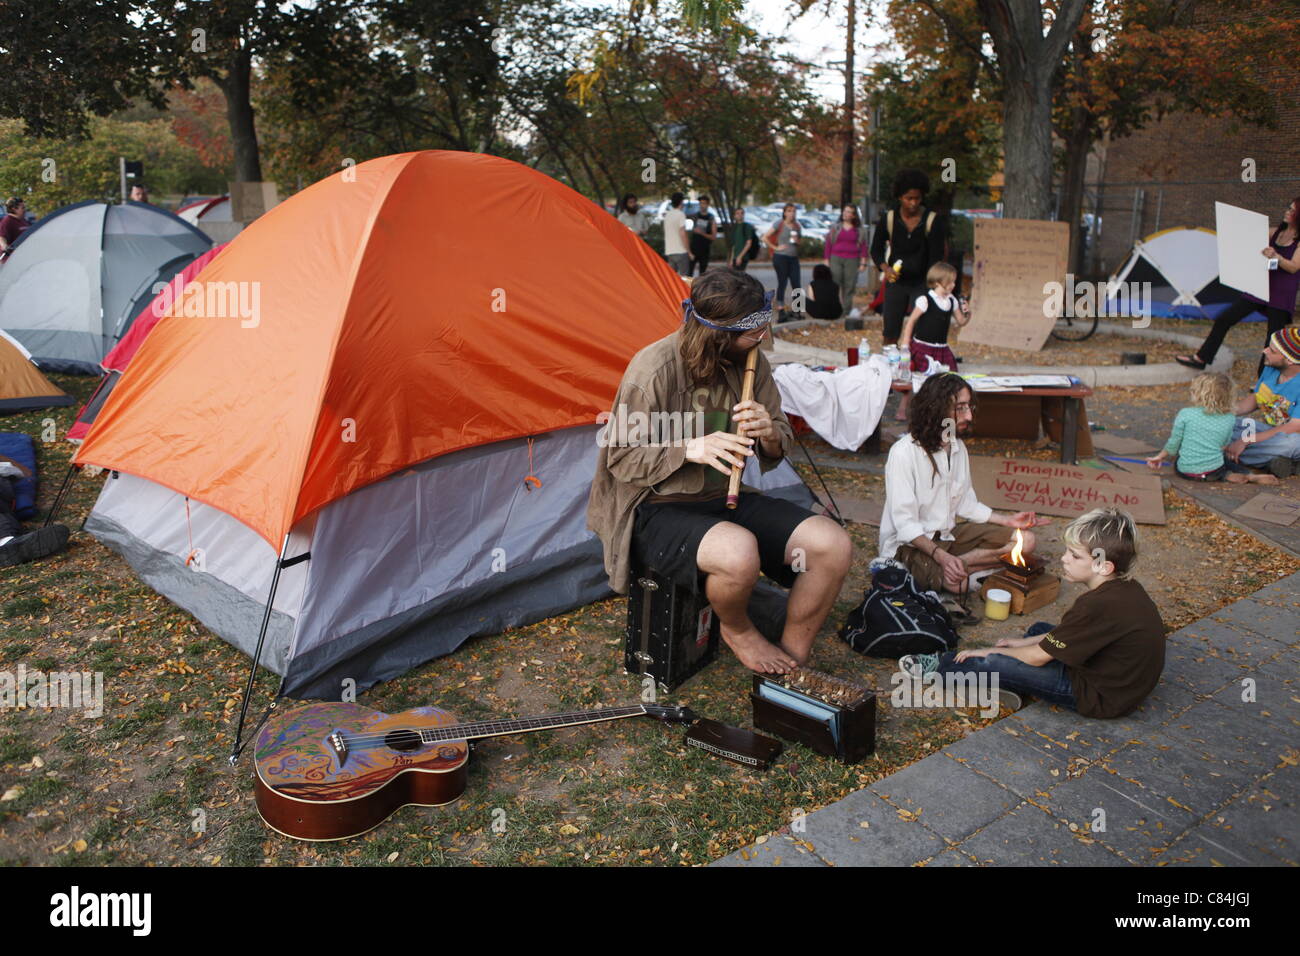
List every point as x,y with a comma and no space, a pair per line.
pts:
917,242
823,295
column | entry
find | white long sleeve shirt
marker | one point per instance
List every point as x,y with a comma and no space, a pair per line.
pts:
920,502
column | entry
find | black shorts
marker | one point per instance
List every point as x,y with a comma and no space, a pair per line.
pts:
666,536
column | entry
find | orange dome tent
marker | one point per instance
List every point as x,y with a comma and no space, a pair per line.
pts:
437,300
351,396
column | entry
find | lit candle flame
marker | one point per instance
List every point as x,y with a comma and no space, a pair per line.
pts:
1017,558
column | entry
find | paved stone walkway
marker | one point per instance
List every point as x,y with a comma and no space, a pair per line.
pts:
1200,775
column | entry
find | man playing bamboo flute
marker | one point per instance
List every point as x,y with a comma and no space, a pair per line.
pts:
666,456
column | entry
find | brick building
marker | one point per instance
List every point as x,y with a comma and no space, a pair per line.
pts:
1173,172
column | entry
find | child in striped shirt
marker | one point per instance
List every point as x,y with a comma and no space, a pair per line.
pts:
1200,434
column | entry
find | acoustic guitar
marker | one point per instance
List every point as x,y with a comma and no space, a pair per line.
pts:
329,771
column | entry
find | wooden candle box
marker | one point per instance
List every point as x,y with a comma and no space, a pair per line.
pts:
834,717
1041,591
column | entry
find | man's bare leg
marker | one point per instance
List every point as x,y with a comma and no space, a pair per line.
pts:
728,555
821,550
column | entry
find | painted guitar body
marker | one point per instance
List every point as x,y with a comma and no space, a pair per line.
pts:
307,789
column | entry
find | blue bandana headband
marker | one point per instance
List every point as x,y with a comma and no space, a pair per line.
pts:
755,320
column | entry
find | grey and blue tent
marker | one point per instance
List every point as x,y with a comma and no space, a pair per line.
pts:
74,282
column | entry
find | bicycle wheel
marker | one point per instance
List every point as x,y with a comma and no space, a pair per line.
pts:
1074,328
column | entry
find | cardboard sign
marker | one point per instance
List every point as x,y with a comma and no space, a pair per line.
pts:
1272,508
860,510
1241,234
1123,445
1014,260
1015,484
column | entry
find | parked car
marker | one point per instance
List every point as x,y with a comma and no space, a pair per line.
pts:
813,228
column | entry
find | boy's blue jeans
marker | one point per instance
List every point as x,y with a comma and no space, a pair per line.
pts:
1049,682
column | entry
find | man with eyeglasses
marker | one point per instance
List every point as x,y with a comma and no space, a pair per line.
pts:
932,522
658,498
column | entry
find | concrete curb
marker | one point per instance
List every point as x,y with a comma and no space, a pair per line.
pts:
1165,373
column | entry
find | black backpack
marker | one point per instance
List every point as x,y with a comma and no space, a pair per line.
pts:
895,618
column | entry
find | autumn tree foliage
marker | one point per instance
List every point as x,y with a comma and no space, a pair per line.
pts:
938,100
199,121
1131,62
1125,64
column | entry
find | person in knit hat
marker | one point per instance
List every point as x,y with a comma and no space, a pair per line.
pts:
1273,443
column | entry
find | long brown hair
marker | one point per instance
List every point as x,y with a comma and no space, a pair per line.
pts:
722,296
933,407
1281,226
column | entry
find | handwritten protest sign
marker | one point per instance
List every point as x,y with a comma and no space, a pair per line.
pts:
1014,484
1014,259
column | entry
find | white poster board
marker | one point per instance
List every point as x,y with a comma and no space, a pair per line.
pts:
1014,259
1241,235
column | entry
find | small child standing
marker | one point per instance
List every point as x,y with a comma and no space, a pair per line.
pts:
1201,432
925,331
1107,653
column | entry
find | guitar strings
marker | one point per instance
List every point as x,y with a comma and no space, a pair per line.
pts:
367,741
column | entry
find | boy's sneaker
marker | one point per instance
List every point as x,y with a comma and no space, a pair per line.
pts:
918,665
33,546
1282,467
1010,700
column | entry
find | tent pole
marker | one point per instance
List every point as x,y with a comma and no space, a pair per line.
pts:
257,655
58,498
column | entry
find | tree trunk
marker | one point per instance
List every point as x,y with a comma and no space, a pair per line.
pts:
1028,61
1027,149
1077,142
850,137
236,85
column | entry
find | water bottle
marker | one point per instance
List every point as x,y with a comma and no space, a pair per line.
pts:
892,356
905,363
864,349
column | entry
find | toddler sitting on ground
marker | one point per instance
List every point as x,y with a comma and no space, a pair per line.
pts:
1200,433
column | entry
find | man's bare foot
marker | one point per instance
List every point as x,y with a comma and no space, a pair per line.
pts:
756,652
1264,479
1237,478
799,661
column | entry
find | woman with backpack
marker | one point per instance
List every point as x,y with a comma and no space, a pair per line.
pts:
846,252
916,239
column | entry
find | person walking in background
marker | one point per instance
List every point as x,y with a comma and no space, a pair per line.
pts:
14,223
823,300
743,240
703,232
846,252
632,215
1283,282
676,250
140,193
783,240
915,236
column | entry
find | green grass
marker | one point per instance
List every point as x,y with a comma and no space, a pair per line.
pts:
23,607
16,749
149,713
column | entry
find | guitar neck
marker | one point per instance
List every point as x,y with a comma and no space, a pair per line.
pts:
523,725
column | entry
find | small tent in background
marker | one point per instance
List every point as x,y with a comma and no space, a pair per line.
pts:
1182,265
116,361
398,454
206,210
77,278
22,386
